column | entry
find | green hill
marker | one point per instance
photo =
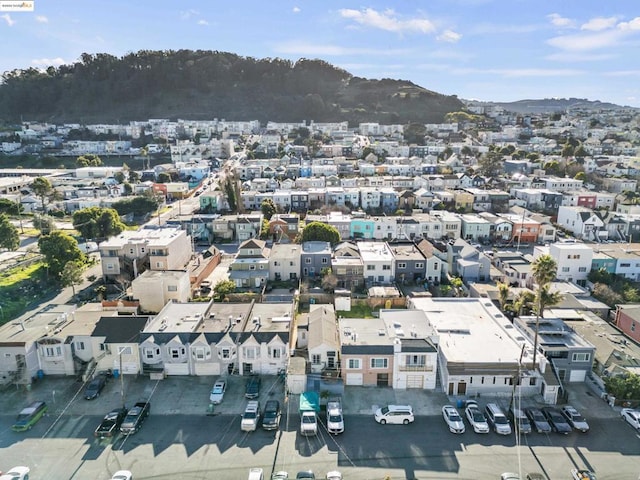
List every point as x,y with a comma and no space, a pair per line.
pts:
208,84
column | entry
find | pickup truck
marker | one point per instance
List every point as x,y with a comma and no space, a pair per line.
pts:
135,417
110,424
252,388
309,406
335,420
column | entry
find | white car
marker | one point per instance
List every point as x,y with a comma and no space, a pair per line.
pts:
122,475
16,473
631,416
574,418
476,419
334,475
453,419
217,392
250,417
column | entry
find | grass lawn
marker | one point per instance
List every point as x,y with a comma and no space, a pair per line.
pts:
357,311
21,287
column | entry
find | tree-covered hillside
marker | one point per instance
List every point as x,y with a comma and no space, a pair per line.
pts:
208,84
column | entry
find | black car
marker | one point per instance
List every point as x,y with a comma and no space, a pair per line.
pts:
95,387
305,474
557,420
135,417
110,425
271,415
538,420
252,388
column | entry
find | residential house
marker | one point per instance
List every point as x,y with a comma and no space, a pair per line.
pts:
500,228
378,261
324,342
250,267
284,262
569,355
347,266
475,228
434,264
315,258
573,260
582,223
524,230
627,319
409,262
248,226
153,289
284,227
115,342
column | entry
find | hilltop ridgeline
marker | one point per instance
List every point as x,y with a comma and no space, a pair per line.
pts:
209,84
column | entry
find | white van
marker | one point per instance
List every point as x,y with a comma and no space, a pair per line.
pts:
400,414
497,419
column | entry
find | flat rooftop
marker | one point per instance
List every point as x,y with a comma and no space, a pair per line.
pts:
472,330
176,317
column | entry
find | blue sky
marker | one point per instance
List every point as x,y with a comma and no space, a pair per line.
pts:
495,50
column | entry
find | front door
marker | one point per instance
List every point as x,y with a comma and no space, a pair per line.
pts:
462,388
383,380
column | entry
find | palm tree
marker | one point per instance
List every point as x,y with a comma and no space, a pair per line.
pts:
524,299
503,292
544,272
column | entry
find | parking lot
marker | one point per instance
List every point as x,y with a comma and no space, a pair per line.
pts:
180,439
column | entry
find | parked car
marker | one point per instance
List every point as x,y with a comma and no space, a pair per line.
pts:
255,474
16,473
574,418
217,392
497,419
334,475
305,475
122,475
453,419
557,420
282,475
271,415
335,419
538,421
29,416
631,416
135,418
111,423
519,419
398,414
252,387
476,418
92,391
250,417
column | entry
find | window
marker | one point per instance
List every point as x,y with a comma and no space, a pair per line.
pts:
325,260
316,359
379,363
177,352
625,265
354,363
150,353
225,353
371,267
565,269
252,267
633,326
421,265
275,352
402,265
158,264
386,267
172,288
582,269
53,351
250,353
79,345
580,357
307,261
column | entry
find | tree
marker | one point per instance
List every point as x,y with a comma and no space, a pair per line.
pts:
490,164
268,208
523,301
544,271
119,177
264,229
97,222
568,150
503,294
71,275
581,152
580,176
329,282
88,160
606,294
59,248
9,207
318,231
224,288
139,206
44,223
625,387
134,177
164,177
41,188
9,237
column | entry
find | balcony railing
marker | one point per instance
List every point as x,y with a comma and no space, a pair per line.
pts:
416,368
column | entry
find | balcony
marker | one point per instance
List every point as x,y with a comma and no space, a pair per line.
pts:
416,368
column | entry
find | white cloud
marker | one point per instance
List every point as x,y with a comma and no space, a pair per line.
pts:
300,48
633,25
579,57
387,21
622,73
42,19
600,34
295,10
599,23
187,14
449,36
519,72
7,18
203,22
560,21
47,62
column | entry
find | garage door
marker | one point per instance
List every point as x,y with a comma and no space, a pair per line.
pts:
414,381
354,379
577,375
